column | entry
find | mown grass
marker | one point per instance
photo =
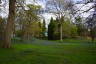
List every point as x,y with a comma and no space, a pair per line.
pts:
48,52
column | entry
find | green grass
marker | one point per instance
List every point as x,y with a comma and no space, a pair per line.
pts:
70,51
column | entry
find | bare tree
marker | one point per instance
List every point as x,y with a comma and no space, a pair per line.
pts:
91,22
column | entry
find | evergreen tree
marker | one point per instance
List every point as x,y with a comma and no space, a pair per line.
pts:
44,28
51,29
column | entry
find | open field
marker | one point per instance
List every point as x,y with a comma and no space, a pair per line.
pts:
50,52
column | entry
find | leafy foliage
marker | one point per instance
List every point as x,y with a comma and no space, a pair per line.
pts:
69,29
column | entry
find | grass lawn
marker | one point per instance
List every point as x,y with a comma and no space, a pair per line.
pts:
50,52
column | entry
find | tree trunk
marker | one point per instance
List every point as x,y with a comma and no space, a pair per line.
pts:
10,24
2,24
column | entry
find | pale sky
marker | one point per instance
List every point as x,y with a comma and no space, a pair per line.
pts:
47,15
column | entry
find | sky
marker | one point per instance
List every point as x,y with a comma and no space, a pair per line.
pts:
47,16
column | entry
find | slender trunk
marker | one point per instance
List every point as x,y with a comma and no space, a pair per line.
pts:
10,24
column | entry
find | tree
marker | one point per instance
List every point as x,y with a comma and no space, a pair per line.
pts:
73,30
51,27
40,27
69,29
81,28
44,28
91,21
59,8
26,18
10,24
91,25
34,29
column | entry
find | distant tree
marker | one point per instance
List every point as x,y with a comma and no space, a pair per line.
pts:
81,28
73,31
26,20
69,29
44,28
40,26
91,21
91,25
51,27
35,29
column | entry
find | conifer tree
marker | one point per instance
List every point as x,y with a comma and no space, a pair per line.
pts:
51,27
44,28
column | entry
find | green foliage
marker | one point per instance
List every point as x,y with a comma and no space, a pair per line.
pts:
28,22
73,31
33,7
40,26
69,29
32,30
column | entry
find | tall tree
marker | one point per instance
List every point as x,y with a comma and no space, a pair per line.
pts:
60,8
51,29
44,28
10,24
91,21
25,18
